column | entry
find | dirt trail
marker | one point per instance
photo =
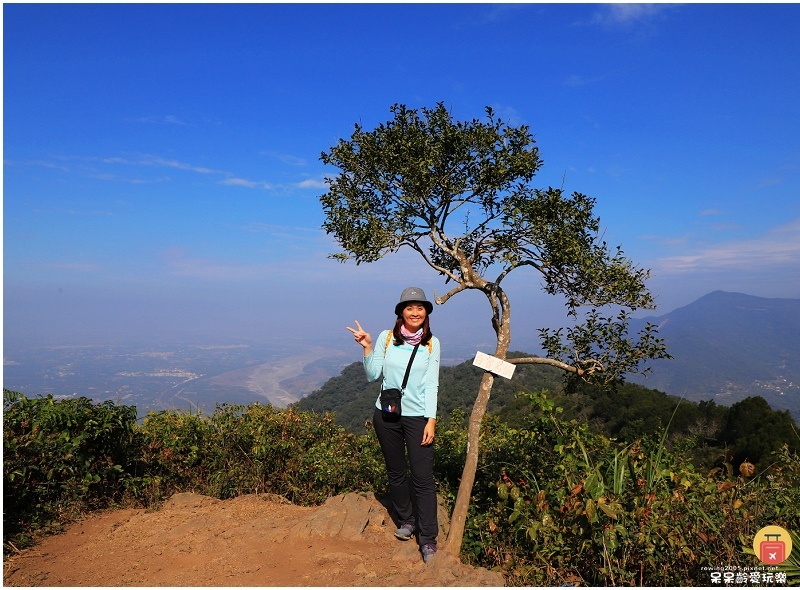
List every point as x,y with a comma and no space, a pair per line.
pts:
255,540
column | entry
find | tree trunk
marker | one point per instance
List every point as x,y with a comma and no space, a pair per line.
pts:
459,517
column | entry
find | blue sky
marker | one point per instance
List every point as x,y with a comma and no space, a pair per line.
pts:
162,173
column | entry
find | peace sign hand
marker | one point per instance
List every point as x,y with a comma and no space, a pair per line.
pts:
362,337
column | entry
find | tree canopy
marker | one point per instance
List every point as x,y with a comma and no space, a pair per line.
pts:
460,195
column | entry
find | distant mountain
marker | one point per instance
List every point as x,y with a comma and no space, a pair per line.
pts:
728,346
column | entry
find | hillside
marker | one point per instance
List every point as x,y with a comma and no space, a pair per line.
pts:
627,412
725,347
729,346
352,398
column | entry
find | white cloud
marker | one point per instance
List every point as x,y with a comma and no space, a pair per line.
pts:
507,113
159,161
312,183
286,158
245,183
257,227
118,178
38,163
172,120
501,12
169,119
627,13
149,160
578,81
108,168
778,248
292,160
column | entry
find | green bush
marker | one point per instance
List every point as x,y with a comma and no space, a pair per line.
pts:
238,450
61,456
169,459
554,502
569,506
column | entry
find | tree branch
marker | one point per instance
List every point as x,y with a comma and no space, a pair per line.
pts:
445,271
536,360
511,267
443,299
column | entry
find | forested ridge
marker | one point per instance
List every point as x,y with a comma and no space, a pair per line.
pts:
748,430
352,398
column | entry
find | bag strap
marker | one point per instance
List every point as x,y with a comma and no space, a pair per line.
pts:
408,368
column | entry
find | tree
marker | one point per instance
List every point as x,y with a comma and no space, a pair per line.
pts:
753,431
460,195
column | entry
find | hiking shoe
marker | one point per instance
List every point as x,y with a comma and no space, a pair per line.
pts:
428,550
405,532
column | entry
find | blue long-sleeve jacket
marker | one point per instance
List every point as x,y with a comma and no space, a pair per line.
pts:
422,390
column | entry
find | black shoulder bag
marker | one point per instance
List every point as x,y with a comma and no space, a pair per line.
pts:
390,398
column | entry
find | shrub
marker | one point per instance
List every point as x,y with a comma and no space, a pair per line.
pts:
569,506
303,456
553,502
61,457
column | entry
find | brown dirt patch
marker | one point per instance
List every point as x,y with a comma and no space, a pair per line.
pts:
253,540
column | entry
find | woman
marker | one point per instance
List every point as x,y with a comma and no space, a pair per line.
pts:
412,432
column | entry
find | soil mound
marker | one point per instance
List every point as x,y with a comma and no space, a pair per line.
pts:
254,540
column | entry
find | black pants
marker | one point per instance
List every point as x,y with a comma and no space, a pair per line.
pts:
398,435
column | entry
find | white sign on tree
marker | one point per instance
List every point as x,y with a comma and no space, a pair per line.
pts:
494,365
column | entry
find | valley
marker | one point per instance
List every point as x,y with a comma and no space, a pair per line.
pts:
188,377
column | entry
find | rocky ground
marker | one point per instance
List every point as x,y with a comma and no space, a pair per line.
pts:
254,540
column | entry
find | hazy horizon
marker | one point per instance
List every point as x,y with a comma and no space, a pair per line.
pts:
162,173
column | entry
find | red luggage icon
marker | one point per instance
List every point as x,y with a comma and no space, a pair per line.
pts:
772,552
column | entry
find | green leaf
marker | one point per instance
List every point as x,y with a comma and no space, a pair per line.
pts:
591,510
609,511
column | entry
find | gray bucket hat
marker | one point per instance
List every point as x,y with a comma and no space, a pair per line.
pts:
412,294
